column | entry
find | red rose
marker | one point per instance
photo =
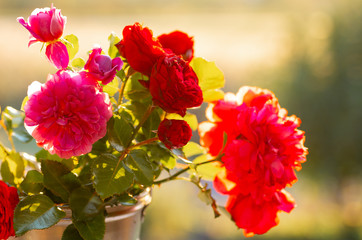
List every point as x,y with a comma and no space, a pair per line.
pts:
174,133
174,85
140,48
262,152
257,216
8,200
179,43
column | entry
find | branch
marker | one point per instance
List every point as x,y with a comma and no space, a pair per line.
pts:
174,176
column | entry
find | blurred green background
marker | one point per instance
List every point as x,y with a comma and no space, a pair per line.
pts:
309,53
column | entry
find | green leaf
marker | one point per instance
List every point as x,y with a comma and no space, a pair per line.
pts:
137,109
207,171
151,125
16,166
205,196
93,229
100,146
85,204
22,135
121,74
71,233
211,78
126,199
35,212
33,182
111,175
134,89
119,131
71,42
190,118
14,122
12,118
138,162
3,152
6,174
86,174
112,88
59,179
162,155
45,155
193,150
112,50
78,63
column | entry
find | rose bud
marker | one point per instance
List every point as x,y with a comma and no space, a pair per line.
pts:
140,48
179,43
8,200
174,133
174,85
44,24
102,67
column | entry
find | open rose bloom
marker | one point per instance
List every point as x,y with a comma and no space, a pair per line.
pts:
67,114
262,152
108,126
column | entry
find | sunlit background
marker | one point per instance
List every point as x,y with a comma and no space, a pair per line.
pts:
309,53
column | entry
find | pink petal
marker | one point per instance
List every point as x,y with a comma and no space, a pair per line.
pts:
56,24
57,54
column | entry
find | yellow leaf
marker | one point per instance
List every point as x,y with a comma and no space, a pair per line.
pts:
213,95
209,75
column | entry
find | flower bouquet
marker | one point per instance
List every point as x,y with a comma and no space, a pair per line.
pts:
118,123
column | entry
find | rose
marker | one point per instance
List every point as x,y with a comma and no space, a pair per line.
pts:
174,85
102,67
44,24
47,25
263,149
257,216
67,114
140,48
174,133
8,200
179,43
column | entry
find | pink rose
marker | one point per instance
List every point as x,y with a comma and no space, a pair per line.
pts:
174,133
102,67
67,114
44,24
47,25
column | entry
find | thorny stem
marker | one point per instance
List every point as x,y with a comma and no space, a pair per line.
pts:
123,86
204,190
143,143
174,176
